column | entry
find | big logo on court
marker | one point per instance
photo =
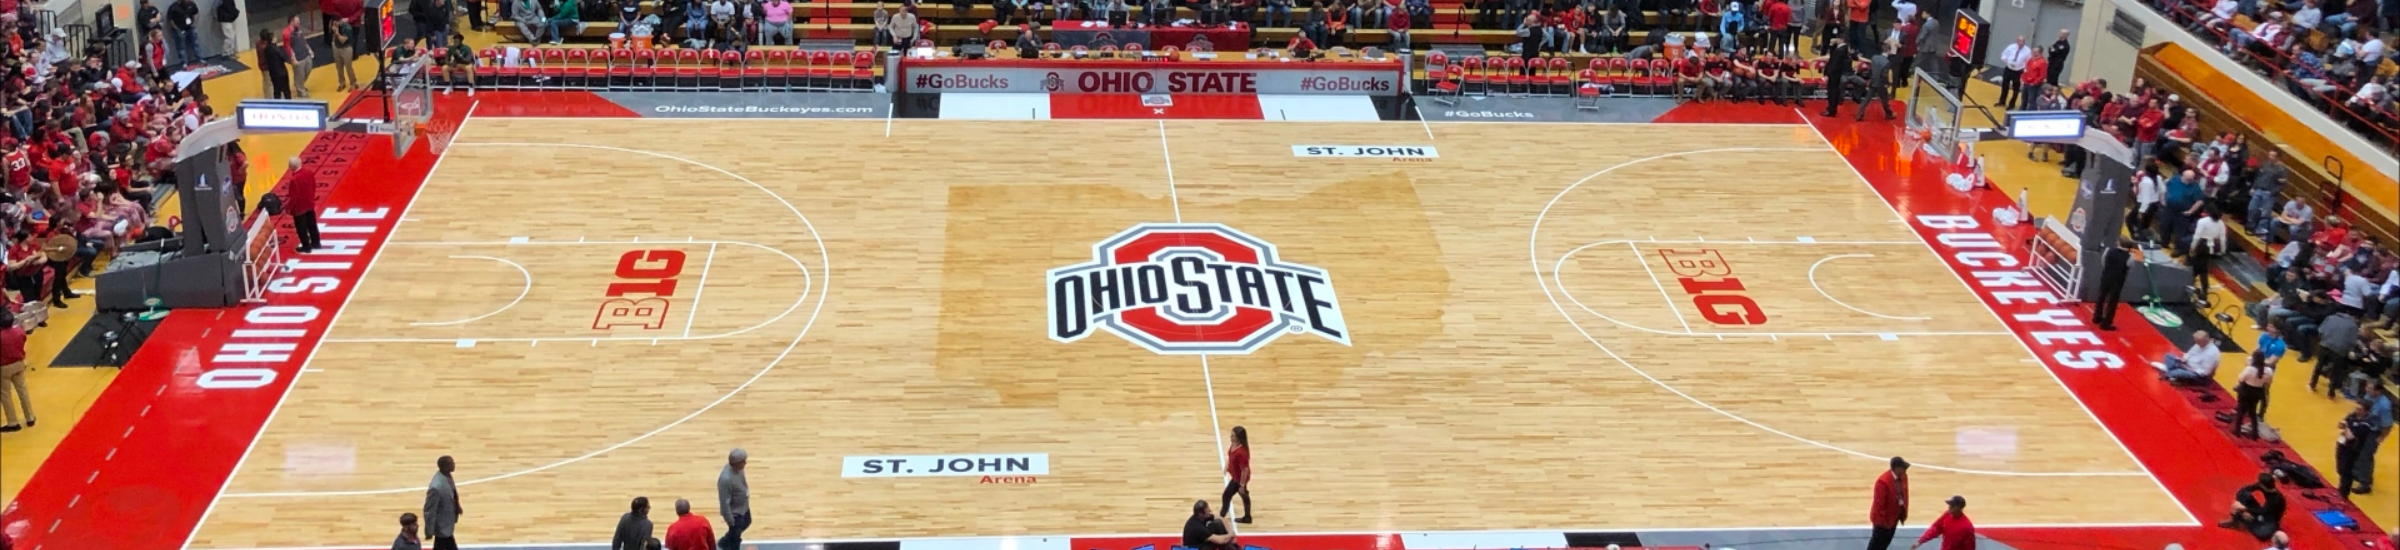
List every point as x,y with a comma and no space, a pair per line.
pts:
1192,288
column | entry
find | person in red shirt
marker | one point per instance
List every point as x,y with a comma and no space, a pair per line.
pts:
1956,531
1861,33
1779,28
12,374
300,202
690,531
1237,473
1891,505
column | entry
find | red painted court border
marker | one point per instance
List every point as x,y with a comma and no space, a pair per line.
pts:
146,463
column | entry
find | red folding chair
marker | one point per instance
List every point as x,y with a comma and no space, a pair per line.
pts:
579,67
1662,76
862,69
1474,76
1517,76
644,74
754,71
820,69
1050,49
687,70
1815,79
1446,87
1079,52
1620,75
1135,49
777,71
1562,76
554,68
1587,90
487,67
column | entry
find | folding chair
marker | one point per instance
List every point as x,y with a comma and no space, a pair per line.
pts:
1518,76
554,68
487,67
1435,73
1587,91
687,70
754,71
1108,51
644,74
1620,75
1079,52
820,69
862,67
1815,81
1446,87
845,71
1134,49
728,69
1474,75
778,71
1662,76
1049,49
1562,76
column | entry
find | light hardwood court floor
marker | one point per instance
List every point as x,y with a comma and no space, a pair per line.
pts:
1522,350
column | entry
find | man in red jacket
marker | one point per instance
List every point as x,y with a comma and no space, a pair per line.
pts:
300,202
690,531
1891,504
1956,531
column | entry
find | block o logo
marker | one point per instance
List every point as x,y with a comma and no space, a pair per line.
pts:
1192,288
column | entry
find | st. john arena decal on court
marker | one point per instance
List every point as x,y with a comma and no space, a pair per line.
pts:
1188,288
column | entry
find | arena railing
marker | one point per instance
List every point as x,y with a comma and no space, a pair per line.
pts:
2276,66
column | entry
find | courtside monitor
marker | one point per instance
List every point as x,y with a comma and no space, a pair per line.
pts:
260,115
2045,125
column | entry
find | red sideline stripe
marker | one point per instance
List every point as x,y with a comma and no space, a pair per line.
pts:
1233,106
2109,372
141,468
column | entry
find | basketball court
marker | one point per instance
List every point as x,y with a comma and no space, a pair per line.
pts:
1424,328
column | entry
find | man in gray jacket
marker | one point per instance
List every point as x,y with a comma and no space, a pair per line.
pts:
2264,190
441,506
733,500
633,529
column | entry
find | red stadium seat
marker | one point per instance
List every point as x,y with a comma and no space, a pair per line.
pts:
1447,88
844,73
487,67
1108,51
579,68
620,69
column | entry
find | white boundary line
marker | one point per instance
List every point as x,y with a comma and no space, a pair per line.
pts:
2045,367
1639,258
330,324
1533,248
1120,120
691,312
996,538
521,291
1812,283
824,259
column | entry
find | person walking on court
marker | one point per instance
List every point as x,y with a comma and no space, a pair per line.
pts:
2250,393
733,499
300,202
1956,531
2208,242
1891,505
633,529
441,505
12,374
2113,265
690,531
408,534
1237,474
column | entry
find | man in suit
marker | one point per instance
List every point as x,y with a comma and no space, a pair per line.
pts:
441,506
1837,65
2113,265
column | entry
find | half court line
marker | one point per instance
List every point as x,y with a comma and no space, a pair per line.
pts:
691,312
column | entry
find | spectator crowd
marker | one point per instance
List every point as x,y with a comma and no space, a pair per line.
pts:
2335,54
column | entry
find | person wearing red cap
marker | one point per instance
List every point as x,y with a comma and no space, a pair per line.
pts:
1891,504
1956,531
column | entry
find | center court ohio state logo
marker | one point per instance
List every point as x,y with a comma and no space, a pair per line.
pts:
1192,288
